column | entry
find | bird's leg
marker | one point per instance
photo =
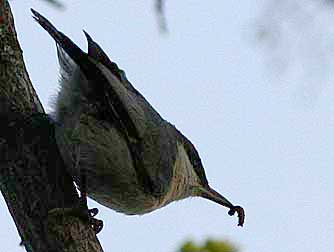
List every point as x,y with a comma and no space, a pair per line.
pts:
88,214
84,212
81,211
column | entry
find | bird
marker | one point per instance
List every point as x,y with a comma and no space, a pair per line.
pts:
115,145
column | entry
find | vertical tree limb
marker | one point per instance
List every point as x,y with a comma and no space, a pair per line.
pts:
33,178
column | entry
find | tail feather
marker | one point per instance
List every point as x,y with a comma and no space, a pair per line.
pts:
97,53
64,42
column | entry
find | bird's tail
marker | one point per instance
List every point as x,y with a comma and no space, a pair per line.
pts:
62,40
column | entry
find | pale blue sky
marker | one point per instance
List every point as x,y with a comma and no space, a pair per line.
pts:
261,146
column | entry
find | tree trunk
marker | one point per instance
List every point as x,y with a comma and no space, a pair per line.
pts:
33,178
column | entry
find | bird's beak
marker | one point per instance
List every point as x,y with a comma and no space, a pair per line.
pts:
211,194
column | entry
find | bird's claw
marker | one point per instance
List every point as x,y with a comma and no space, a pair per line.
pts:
93,212
95,224
86,215
241,214
89,216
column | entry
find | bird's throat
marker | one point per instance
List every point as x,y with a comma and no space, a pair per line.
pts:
184,178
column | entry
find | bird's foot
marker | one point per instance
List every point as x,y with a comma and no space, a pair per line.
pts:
95,224
241,214
85,214
88,215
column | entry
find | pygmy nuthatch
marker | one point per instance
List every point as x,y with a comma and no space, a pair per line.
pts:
134,160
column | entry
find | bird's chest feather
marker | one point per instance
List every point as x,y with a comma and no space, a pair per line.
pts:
183,181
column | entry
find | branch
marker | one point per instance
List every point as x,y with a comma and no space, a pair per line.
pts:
33,178
55,3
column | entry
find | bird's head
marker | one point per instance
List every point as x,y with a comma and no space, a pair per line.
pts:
189,171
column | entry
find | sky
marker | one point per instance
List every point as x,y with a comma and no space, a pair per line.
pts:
266,141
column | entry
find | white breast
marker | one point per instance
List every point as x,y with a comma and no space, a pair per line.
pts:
184,178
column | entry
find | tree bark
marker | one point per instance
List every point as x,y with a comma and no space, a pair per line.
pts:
33,178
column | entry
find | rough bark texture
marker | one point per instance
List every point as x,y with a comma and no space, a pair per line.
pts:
33,179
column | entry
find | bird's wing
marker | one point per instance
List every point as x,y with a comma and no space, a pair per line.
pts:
158,143
113,103
110,105
96,52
